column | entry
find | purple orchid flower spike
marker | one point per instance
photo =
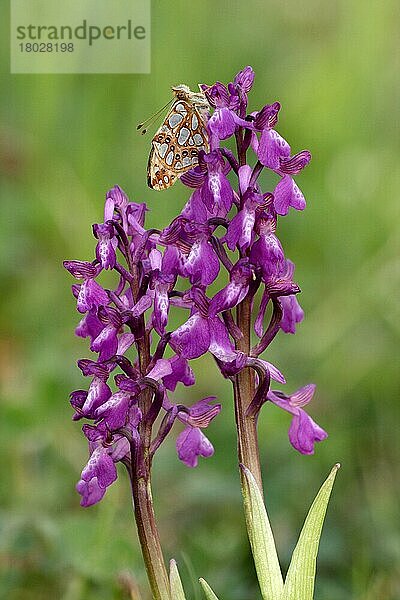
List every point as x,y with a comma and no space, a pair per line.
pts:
100,471
126,403
219,269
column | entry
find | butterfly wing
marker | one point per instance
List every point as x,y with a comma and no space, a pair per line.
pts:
176,145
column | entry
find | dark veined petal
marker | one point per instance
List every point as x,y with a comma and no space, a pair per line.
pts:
244,79
106,343
296,163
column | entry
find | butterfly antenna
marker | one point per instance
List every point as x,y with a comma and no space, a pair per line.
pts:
152,118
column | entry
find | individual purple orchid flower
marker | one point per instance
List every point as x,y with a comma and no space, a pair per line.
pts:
89,326
106,342
266,253
116,200
230,106
91,295
273,152
236,289
200,332
241,229
105,249
280,285
162,285
216,94
272,148
100,471
210,178
244,80
292,314
234,96
287,193
191,442
180,372
189,252
114,412
303,431
98,393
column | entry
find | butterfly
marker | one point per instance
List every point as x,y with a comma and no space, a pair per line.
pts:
176,145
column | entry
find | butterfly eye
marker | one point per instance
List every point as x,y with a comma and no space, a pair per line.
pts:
167,139
184,153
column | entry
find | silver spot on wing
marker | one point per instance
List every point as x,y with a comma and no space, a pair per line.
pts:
183,136
162,149
174,120
198,140
195,121
180,108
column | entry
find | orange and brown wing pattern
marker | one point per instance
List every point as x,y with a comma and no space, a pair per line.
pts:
176,145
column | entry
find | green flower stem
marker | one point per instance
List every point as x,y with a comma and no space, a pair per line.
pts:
140,476
244,390
149,538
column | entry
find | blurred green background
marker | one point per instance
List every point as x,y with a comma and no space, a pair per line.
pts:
64,140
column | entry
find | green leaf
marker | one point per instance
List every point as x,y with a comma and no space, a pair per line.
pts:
209,594
300,578
261,539
175,582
